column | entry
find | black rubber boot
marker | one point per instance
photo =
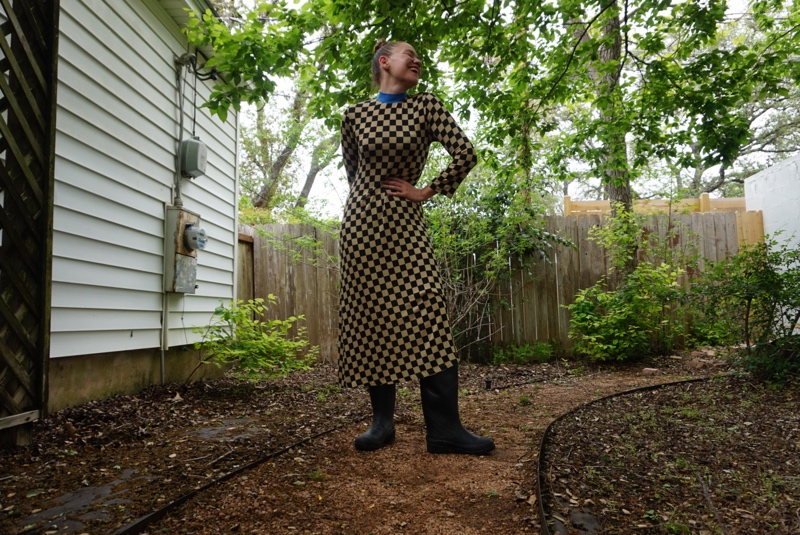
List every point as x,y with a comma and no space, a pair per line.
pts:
382,430
446,434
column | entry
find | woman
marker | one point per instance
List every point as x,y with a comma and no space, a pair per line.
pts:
393,319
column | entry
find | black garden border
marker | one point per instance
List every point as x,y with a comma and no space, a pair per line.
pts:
139,525
545,530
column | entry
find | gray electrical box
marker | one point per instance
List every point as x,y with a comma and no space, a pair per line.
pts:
184,238
194,156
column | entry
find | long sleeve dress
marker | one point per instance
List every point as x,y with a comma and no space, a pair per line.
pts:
393,322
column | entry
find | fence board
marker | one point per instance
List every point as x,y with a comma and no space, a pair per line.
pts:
705,203
245,289
515,298
750,227
567,270
532,304
589,254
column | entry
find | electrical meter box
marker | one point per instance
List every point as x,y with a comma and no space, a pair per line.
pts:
194,157
184,238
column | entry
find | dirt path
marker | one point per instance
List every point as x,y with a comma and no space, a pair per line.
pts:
99,467
329,488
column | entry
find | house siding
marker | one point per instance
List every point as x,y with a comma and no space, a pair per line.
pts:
116,142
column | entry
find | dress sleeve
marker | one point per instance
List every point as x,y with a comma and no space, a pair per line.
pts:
349,147
443,128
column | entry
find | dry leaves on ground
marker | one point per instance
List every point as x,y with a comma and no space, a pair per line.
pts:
99,467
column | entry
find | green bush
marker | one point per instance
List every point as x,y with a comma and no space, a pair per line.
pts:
646,313
241,337
641,317
754,298
535,353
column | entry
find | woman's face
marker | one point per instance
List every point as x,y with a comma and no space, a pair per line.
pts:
402,67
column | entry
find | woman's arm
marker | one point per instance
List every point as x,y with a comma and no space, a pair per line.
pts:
444,129
349,147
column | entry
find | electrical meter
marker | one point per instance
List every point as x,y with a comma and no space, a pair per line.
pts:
194,237
184,238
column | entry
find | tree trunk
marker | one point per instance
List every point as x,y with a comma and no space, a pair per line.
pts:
614,162
614,170
299,120
320,158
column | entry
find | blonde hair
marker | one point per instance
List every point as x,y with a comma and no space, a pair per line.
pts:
382,48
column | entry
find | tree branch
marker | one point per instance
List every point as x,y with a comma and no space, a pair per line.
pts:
572,53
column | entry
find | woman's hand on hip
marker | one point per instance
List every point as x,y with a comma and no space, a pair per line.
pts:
397,187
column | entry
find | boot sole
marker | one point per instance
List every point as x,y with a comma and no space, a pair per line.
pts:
372,446
446,447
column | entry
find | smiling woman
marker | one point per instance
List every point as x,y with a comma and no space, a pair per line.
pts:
393,318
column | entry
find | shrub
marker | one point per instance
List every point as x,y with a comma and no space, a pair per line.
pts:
488,222
241,337
639,318
754,298
646,313
537,352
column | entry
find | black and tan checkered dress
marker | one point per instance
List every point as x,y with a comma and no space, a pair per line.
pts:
393,319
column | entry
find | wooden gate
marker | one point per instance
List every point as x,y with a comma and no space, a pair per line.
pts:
28,60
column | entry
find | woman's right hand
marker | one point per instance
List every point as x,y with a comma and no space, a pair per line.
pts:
397,187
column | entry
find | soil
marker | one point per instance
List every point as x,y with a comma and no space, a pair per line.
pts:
716,456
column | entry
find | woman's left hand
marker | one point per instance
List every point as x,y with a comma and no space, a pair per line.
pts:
397,187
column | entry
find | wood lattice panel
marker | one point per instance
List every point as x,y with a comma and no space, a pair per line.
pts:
27,110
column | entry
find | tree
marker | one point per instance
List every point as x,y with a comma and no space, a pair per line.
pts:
651,74
276,176
321,156
242,38
274,164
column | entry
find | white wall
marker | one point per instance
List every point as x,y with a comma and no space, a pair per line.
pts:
117,134
776,192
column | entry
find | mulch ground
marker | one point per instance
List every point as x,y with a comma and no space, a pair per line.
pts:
716,456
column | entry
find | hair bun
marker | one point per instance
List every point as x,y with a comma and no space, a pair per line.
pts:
379,44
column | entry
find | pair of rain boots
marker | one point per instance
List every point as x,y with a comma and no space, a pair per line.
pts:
445,433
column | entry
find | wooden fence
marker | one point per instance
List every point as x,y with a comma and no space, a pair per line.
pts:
539,287
296,263
271,262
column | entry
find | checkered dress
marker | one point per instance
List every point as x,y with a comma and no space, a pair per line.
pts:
392,315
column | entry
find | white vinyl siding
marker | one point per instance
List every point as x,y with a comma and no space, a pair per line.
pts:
116,141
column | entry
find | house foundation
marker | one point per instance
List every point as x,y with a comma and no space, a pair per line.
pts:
79,379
